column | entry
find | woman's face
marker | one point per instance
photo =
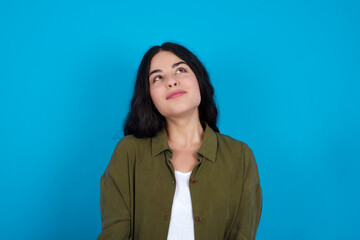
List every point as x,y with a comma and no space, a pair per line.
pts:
168,75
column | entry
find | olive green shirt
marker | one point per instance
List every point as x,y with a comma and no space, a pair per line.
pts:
138,186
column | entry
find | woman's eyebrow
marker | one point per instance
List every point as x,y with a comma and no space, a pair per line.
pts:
174,65
178,63
155,71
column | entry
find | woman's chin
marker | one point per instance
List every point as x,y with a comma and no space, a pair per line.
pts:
181,113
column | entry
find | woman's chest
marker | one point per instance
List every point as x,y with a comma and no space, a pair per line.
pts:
211,192
210,184
184,160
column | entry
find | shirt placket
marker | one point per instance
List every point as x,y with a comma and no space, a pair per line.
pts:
193,186
168,155
193,182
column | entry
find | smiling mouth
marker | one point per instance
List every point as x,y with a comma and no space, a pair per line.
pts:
177,95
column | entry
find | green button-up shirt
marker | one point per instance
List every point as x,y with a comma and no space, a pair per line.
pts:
138,186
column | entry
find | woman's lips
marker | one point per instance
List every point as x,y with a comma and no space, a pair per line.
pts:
175,94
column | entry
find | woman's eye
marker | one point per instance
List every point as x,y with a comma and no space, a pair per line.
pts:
156,78
180,70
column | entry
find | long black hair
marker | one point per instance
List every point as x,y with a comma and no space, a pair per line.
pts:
143,119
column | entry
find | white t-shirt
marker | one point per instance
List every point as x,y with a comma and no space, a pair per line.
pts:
181,221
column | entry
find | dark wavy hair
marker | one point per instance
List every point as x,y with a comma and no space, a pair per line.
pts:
143,119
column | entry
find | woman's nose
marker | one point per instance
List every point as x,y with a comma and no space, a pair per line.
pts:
172,82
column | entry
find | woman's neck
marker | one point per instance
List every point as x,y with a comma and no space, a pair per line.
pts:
184,133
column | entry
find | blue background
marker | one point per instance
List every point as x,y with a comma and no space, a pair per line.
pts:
286,75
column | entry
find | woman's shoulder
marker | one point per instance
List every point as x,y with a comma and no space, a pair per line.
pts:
131,143
236,153
126,150
231,144
228,140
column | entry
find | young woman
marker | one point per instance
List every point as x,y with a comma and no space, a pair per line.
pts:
173,175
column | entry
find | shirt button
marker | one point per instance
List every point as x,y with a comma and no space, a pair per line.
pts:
173,182
198,219
193,180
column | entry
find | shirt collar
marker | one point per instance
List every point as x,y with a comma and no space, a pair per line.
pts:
207,149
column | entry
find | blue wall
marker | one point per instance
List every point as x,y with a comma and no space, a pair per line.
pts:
287,80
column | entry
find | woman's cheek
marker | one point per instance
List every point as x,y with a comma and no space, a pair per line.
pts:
156,97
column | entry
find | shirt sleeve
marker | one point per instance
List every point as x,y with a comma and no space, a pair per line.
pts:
250,206
115,197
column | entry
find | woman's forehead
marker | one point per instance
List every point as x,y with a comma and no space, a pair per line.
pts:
163,59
